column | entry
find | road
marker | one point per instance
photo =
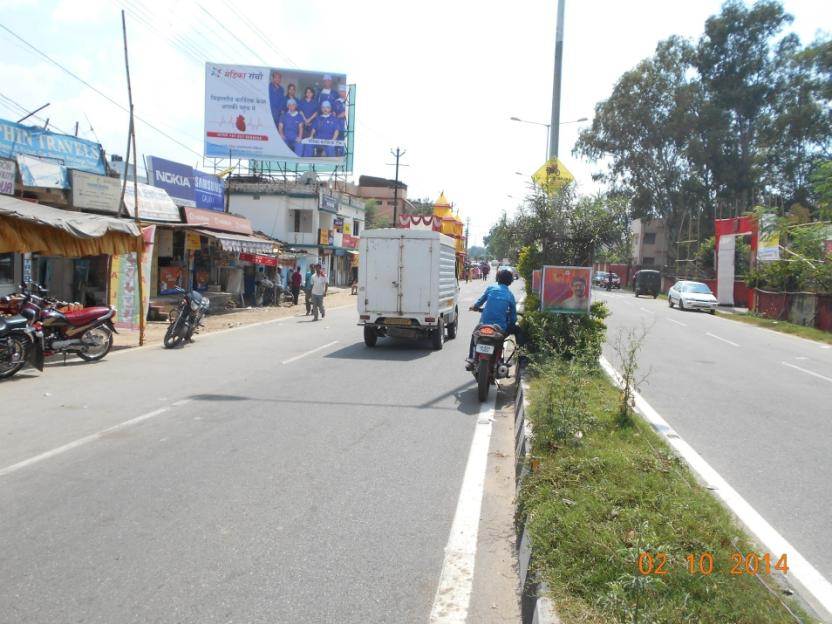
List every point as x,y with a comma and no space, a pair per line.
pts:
756,404
277,473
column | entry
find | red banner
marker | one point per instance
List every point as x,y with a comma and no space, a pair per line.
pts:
348,241
259,259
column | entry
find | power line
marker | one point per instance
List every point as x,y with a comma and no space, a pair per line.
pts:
14,104
95,89
231,32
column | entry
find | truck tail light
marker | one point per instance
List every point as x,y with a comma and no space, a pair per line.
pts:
430,319
364,317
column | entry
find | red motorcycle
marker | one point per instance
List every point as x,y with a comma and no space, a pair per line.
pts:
88,332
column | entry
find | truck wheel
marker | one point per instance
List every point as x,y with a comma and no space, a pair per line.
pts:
483,372
370,336
452,328
438,336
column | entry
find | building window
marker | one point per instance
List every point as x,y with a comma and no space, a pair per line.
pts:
297,221
648,261
649,238
356,228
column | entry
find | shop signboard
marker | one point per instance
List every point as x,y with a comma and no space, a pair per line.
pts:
329,203
42,173
124,280
8,169
218,221
91,191
154,204
259,259
193,241
349,241
338,224
566,289
536,280
209,191
347,227
337,238
244,105
63,149
324,236
177,179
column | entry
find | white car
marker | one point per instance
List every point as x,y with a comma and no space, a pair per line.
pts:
691,296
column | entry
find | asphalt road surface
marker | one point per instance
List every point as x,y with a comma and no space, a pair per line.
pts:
279,473
756,404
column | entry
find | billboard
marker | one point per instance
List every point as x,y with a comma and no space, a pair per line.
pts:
187,186
209,191
69,151
566,289
95,192
154,204
267,113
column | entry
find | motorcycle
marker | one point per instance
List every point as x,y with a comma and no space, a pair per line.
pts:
187,320
19,343
87,332
490,363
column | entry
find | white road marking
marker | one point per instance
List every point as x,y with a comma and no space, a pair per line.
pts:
808,372
453,594
310,352
646,310
800,570
677,322
81,441
733,344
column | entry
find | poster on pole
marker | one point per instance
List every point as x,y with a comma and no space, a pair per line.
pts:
566,289
536,281
124,284
768,243
271,113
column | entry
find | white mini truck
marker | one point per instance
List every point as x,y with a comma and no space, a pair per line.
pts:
407,285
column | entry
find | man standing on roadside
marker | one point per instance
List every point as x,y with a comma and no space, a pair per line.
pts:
307,288
319,288
297,280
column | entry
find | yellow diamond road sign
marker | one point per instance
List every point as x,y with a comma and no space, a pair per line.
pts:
552,176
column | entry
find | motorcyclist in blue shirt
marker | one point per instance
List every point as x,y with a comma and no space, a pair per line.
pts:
498,308
291,127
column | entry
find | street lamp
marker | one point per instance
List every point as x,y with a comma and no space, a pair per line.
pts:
548,127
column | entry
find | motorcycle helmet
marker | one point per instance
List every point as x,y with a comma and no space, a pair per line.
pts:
505,277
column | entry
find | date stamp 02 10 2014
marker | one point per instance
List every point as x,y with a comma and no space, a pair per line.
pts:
750,564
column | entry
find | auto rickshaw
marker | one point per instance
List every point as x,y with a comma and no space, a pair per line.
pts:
647,282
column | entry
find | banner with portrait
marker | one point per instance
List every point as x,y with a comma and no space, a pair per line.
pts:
566,289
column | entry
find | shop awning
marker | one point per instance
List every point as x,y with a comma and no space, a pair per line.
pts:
240,242
29,227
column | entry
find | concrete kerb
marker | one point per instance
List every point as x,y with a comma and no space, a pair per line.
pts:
536,606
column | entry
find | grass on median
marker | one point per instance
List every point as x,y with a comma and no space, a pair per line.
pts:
785,327
604,493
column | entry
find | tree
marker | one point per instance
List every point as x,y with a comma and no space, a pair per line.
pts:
475,252
371,217
422,207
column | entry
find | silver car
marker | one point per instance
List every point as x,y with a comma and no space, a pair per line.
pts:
691,296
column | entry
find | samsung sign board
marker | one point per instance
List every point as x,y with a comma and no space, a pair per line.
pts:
185,185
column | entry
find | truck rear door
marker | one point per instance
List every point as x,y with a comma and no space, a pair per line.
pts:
382,285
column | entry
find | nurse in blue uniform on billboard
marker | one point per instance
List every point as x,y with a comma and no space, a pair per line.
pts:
308,107
326,94
291,94
291,127
327,126
277,97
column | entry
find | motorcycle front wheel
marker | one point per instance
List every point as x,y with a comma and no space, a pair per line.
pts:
173,336
97,343
12,357
483,374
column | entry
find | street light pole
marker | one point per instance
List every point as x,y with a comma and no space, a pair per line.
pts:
554,126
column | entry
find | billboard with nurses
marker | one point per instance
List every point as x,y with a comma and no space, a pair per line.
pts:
566,289
265,113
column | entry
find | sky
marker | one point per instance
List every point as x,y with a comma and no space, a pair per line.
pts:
440,79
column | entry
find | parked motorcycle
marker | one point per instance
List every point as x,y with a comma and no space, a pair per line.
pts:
87,332
187,320
490,362
19,343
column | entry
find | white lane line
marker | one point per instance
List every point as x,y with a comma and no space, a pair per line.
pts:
808,372
81,441
733,344
677,322
453,595
310,352
800,570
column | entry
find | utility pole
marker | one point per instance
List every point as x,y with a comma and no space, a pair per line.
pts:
34,112
398,154
554,128
132,138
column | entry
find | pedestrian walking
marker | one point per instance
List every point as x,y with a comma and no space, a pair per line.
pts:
319,288
297,280
307,288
